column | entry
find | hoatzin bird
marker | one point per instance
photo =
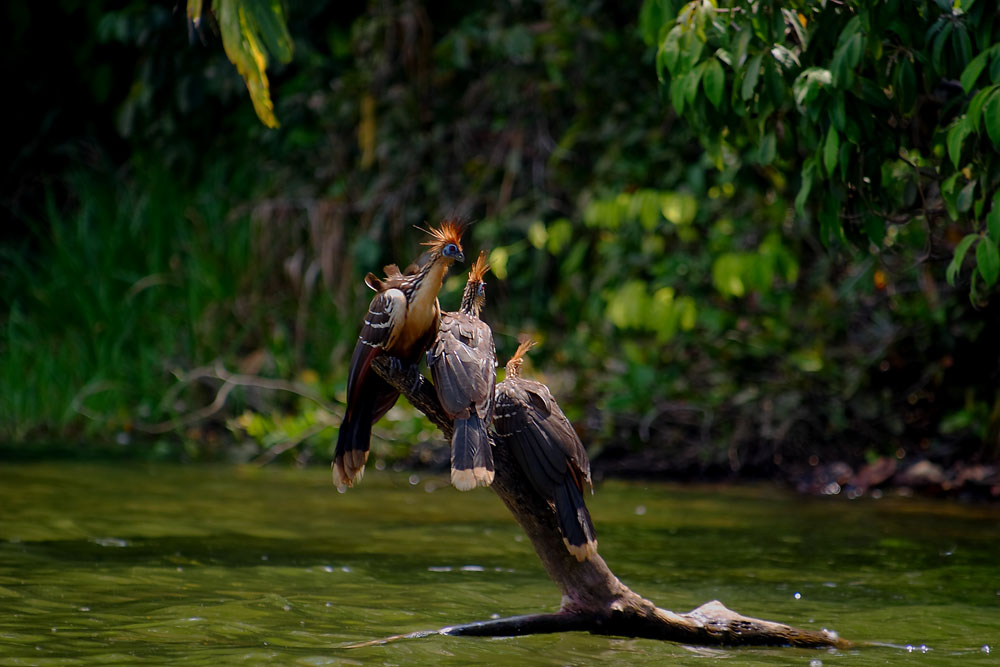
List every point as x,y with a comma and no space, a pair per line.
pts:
528,420
463,366
402,321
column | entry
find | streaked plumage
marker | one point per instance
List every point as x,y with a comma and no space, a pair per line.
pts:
402,320
529,421
462,361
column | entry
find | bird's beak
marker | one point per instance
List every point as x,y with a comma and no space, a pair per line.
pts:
457,255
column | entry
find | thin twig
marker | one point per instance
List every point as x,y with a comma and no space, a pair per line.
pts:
229,382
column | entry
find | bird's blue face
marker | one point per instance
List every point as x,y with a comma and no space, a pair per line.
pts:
454,252
481,290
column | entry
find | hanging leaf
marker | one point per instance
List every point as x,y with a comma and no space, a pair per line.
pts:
993,218
972,71
956,135
988,261
751,76
991,118
831,148
714,81
807,181
956,262
250,30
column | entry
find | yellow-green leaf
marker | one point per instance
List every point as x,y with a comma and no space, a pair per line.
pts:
249,28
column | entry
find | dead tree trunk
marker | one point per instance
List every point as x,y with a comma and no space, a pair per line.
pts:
594,600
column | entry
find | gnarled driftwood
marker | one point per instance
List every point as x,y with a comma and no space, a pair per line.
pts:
594,600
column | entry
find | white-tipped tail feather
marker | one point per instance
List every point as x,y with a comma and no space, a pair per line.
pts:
466,480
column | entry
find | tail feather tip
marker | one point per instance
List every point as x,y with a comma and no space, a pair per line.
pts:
581,552
470,478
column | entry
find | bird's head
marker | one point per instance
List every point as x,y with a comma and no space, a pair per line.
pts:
446,241
474,296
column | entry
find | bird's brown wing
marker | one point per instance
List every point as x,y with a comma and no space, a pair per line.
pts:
462,363
382,325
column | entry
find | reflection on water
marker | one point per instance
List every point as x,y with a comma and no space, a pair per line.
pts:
115,564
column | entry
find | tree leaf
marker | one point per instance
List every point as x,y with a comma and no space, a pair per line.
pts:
956,262
854,49
956,135
988,260
948,194
244,46
677,94
768,149
671,48
993,218
751,76
991,116
691,81
906,85
831,148
714,80
962,45
963,202
939,42
977,104
808,172
972,71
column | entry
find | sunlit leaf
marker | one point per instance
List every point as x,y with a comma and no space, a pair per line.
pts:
679,208
249,29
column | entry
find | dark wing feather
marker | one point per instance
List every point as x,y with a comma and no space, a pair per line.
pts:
515,421
550,454
385,313
462,365
559,430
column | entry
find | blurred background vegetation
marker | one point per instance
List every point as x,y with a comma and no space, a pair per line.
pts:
180,280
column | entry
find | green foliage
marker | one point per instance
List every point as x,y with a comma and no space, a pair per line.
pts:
860,98
687,312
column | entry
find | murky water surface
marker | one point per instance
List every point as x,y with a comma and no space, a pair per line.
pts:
133,564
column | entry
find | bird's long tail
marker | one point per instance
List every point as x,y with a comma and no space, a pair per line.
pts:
574,521
471,456
354,438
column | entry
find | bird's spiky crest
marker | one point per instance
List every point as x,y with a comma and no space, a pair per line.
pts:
513,366
479,269
450,231
526,344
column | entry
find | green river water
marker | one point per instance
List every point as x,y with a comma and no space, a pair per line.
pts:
193,565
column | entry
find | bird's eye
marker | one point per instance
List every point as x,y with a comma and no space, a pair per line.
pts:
450,249
481,290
